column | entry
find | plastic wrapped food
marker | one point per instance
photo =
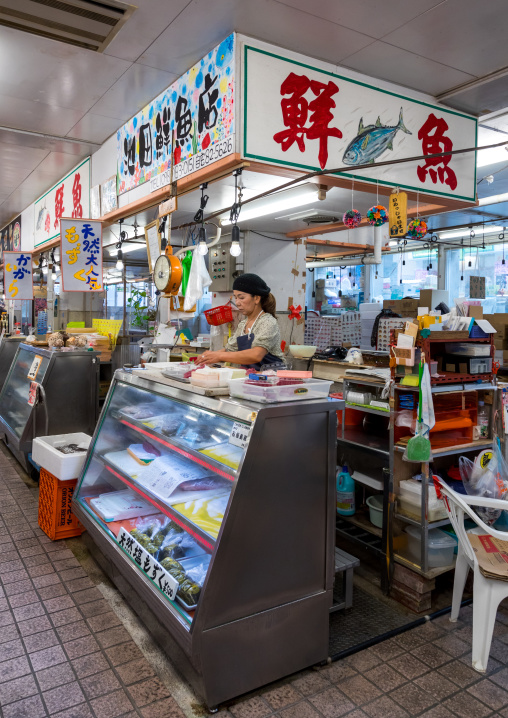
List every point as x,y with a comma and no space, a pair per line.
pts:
173,426
189,591
207,513
174,568
206,484
140,411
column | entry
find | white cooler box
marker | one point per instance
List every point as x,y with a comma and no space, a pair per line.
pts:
64,466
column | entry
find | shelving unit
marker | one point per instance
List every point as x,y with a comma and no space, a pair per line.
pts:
369,454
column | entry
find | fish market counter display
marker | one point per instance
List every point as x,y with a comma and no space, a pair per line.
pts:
220,514
48,392
8,348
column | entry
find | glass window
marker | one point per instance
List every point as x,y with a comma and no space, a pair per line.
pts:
486,262
338,288
14,406
419,272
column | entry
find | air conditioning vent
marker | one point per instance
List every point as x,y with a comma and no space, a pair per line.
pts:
321,219
84,23
311,216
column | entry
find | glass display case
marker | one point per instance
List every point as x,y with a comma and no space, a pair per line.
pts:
67,403
222,521
8,348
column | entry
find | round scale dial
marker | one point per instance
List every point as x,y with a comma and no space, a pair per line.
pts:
162,273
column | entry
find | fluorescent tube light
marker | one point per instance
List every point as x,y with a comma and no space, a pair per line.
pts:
279,202
126,247
494,199
489,229
492,156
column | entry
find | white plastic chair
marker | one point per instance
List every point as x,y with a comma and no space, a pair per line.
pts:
487,592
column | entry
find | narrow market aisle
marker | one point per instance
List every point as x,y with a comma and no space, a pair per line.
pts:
70,647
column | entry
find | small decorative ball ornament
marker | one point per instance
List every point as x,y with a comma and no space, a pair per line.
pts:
377,215
352,218
417,228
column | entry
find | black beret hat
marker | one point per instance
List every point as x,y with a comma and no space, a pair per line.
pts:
251,284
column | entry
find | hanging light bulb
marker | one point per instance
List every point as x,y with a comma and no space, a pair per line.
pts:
53,272
202,248
235,250
119,260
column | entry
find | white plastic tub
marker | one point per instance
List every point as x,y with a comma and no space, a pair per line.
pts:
272,394
64,466
410,501
440,547
375,504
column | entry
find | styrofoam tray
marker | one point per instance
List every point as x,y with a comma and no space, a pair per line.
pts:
309,389
120,505
64,466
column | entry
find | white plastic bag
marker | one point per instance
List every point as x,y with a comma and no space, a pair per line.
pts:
199,279
487,477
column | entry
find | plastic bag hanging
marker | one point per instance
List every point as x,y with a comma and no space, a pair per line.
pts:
199,280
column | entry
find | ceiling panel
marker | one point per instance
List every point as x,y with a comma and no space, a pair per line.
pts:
145,25
94,127
266,19
484,97
137,86
36,116
465,34
53,73
395,65
372,17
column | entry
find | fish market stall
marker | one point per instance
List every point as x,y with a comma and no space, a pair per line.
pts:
220,515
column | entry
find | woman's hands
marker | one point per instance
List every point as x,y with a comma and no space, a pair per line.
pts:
209,357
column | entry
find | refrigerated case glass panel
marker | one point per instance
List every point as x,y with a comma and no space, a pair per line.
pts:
14,406
163,471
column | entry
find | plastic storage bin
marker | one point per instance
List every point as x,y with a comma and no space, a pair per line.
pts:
45,453
272,393
440,547
55,516
410,501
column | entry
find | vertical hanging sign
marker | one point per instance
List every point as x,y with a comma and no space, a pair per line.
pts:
18,275
81,255
397,214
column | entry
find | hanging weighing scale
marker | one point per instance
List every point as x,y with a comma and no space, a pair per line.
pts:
167,271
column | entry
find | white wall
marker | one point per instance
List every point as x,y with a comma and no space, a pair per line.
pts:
27,228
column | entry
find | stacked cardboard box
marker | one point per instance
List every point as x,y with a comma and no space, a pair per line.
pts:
500,323
404,307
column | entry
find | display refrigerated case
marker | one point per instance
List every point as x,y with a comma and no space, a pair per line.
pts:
68,400
220,515
8,348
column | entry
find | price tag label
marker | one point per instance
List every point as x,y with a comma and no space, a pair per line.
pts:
239,435
32,393
146,563
34,369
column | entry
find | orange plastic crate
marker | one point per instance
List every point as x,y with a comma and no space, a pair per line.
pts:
55,516
219,315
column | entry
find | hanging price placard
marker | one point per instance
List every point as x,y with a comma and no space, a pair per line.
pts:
397,214
81,253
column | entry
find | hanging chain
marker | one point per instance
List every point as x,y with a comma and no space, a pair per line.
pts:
501,238
237,206
200,214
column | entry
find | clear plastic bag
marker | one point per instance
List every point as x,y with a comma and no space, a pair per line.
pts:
486,477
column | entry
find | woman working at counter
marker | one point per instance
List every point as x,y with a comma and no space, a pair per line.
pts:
256,342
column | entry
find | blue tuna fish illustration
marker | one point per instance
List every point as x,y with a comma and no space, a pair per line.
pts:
372,141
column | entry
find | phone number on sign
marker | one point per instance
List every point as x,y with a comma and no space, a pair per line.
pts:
213,153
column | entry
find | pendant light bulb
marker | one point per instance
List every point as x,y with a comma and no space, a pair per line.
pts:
235,250
53,273
119,260
202,248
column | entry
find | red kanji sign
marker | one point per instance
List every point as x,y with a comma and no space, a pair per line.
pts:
77,210
432,136
59,208
296,110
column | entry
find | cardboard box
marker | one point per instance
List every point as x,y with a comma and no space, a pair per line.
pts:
432,297
476,311
404,307
498,321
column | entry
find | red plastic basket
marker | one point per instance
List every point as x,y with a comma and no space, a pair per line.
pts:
219,315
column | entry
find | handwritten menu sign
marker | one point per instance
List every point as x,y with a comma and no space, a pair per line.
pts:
81,253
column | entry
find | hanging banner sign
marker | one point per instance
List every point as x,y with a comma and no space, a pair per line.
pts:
302,116
18,277
81,255
10,237
197,111
69,198
397,214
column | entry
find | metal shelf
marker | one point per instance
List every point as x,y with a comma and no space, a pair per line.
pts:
364,442
367,409
361,530
182,449
416,522
472,446
204,539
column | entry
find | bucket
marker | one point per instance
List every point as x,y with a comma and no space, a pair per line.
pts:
375,504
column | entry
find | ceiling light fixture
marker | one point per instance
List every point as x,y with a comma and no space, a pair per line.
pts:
280,202
493,199
235,250
492,229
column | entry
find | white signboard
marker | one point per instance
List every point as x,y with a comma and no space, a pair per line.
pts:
18,277
69,198
146,563
81,255
305,117
239,435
